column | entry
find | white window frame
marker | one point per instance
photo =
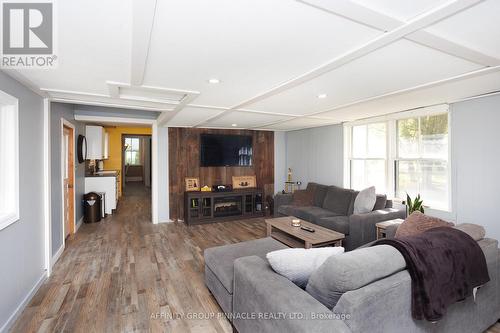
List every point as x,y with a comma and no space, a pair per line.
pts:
392,148
131,150
9,141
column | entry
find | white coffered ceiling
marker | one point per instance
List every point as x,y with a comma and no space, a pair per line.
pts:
273,58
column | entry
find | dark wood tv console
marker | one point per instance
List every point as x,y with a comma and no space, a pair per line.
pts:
209,207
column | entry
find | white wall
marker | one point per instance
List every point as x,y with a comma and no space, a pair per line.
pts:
279,161
316,155
475,140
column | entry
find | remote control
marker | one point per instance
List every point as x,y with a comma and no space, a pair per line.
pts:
307,229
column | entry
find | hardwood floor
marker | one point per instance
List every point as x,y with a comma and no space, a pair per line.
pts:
125,274
122,273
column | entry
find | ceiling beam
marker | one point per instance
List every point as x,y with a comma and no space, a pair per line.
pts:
373,19
419,22
143,14
479,72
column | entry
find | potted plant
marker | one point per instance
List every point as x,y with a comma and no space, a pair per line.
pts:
414,205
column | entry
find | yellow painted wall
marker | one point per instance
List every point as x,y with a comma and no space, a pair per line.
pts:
114,162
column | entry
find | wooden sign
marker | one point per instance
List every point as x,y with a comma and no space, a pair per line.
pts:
192,184
244,182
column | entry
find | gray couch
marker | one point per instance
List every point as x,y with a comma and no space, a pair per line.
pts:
333,208
372,286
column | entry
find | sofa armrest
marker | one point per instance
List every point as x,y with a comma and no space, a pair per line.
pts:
280,200
362,226
264,301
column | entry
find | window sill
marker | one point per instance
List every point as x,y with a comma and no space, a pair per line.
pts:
7,219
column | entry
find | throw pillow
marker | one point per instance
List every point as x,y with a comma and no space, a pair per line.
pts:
303,198
298,264
365,201
417,223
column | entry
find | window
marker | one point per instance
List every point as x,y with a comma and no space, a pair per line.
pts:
368,162
9,161
402,153
422,159
132,151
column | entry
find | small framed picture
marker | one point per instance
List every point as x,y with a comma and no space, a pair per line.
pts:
192,184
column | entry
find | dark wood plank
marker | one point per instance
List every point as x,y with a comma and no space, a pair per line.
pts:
184,161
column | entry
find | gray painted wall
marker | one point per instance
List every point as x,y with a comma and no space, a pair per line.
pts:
475,159
22,243
316,155
279,161
58,111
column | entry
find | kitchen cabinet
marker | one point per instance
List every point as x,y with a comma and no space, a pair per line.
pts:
105,181
95,142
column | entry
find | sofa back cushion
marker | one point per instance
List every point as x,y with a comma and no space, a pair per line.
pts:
319,193
338,200
353,270
303,198
381,202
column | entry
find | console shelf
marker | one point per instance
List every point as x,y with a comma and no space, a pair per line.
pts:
209,207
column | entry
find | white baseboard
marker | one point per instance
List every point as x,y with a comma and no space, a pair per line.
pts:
166,221
13,317
56,256
79,224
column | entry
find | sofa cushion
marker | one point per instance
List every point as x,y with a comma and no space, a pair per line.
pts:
288,210
353,270
381,202
365,201
220,259
319,193
476,231
312,213
298,264
338,200
337,223
303,198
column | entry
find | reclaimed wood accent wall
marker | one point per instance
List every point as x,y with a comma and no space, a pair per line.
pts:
184,161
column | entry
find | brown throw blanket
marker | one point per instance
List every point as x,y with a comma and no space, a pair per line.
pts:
445,265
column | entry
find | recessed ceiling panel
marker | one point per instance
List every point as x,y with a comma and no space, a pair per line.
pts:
190,116
245,120
477,27
401,9
446,93
93,46
249,45
400,65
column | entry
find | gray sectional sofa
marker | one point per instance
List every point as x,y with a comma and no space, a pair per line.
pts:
333,208
371,284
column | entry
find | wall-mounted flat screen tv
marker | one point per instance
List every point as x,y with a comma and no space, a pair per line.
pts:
225,150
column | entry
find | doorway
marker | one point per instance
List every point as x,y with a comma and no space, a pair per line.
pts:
136,165
68,178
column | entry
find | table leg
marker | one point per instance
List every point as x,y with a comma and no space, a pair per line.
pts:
307,245
269,229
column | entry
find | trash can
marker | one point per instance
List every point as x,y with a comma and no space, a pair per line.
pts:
92,207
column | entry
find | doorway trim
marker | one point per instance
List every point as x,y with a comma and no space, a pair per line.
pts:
65,123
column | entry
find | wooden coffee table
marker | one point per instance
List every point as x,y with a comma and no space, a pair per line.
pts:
381,226
282,230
